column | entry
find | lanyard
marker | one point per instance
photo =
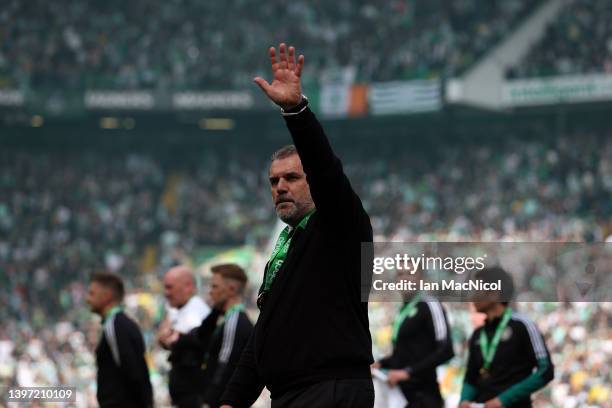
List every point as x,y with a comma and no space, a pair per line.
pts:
280,251
234,309
111,313
489,349
407,311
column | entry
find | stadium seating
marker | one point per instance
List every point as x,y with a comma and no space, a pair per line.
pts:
579,41
191,44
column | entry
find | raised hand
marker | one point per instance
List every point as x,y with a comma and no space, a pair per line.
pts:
285,89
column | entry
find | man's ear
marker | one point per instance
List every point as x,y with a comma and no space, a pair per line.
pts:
231,287
107,295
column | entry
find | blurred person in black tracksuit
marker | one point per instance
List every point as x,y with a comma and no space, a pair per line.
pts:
421,342
223,343
311,346
508,358
123,376
185,311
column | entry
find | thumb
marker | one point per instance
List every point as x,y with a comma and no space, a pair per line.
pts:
263,84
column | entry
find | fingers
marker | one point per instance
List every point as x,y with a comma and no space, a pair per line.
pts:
291,59
282,49
273,61
263,84
286,59
300,65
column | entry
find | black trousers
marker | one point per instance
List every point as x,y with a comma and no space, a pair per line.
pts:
346,393
185,386
425,400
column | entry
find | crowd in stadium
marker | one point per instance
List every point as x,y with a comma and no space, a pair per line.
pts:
69,214
186,43
577,335
65,214
579,41
81,212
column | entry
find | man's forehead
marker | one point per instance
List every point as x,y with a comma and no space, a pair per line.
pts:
289,164
97,287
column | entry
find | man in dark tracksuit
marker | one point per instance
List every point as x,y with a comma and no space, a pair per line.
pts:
311,345
226,345
508,358
123,377
421,342
224,342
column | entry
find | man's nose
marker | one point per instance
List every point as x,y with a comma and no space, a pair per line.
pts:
282,186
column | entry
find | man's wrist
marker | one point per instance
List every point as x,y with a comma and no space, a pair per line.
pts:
297,109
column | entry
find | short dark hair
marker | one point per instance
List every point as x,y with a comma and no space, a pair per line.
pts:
494,274
285,151
231,271
110,281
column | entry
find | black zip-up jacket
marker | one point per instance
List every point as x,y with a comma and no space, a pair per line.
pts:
313,325
224,344
423,343
520,367
123,377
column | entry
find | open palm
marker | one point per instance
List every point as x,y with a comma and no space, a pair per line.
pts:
285,89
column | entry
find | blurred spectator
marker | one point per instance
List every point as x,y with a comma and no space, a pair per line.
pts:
188,43
579,41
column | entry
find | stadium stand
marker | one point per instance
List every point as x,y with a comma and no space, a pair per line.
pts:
67,214
187,44
579,41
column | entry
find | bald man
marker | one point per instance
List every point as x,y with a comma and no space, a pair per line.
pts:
185,311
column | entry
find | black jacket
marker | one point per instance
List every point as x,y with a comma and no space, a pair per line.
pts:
186,375
520,366
223,344
423,343
123,377
313,326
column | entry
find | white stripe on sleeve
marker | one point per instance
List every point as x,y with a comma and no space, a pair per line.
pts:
437,314
534,336
109,332
229,333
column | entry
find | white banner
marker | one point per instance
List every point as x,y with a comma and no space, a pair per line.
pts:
334,99
144,100
11,97
213,100
561,89
404,97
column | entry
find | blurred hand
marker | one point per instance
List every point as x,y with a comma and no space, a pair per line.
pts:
171,338
465,404
285,89
225,406
375,364
395,376
163,332
494,403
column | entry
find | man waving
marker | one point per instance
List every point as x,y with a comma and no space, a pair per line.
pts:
311,345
